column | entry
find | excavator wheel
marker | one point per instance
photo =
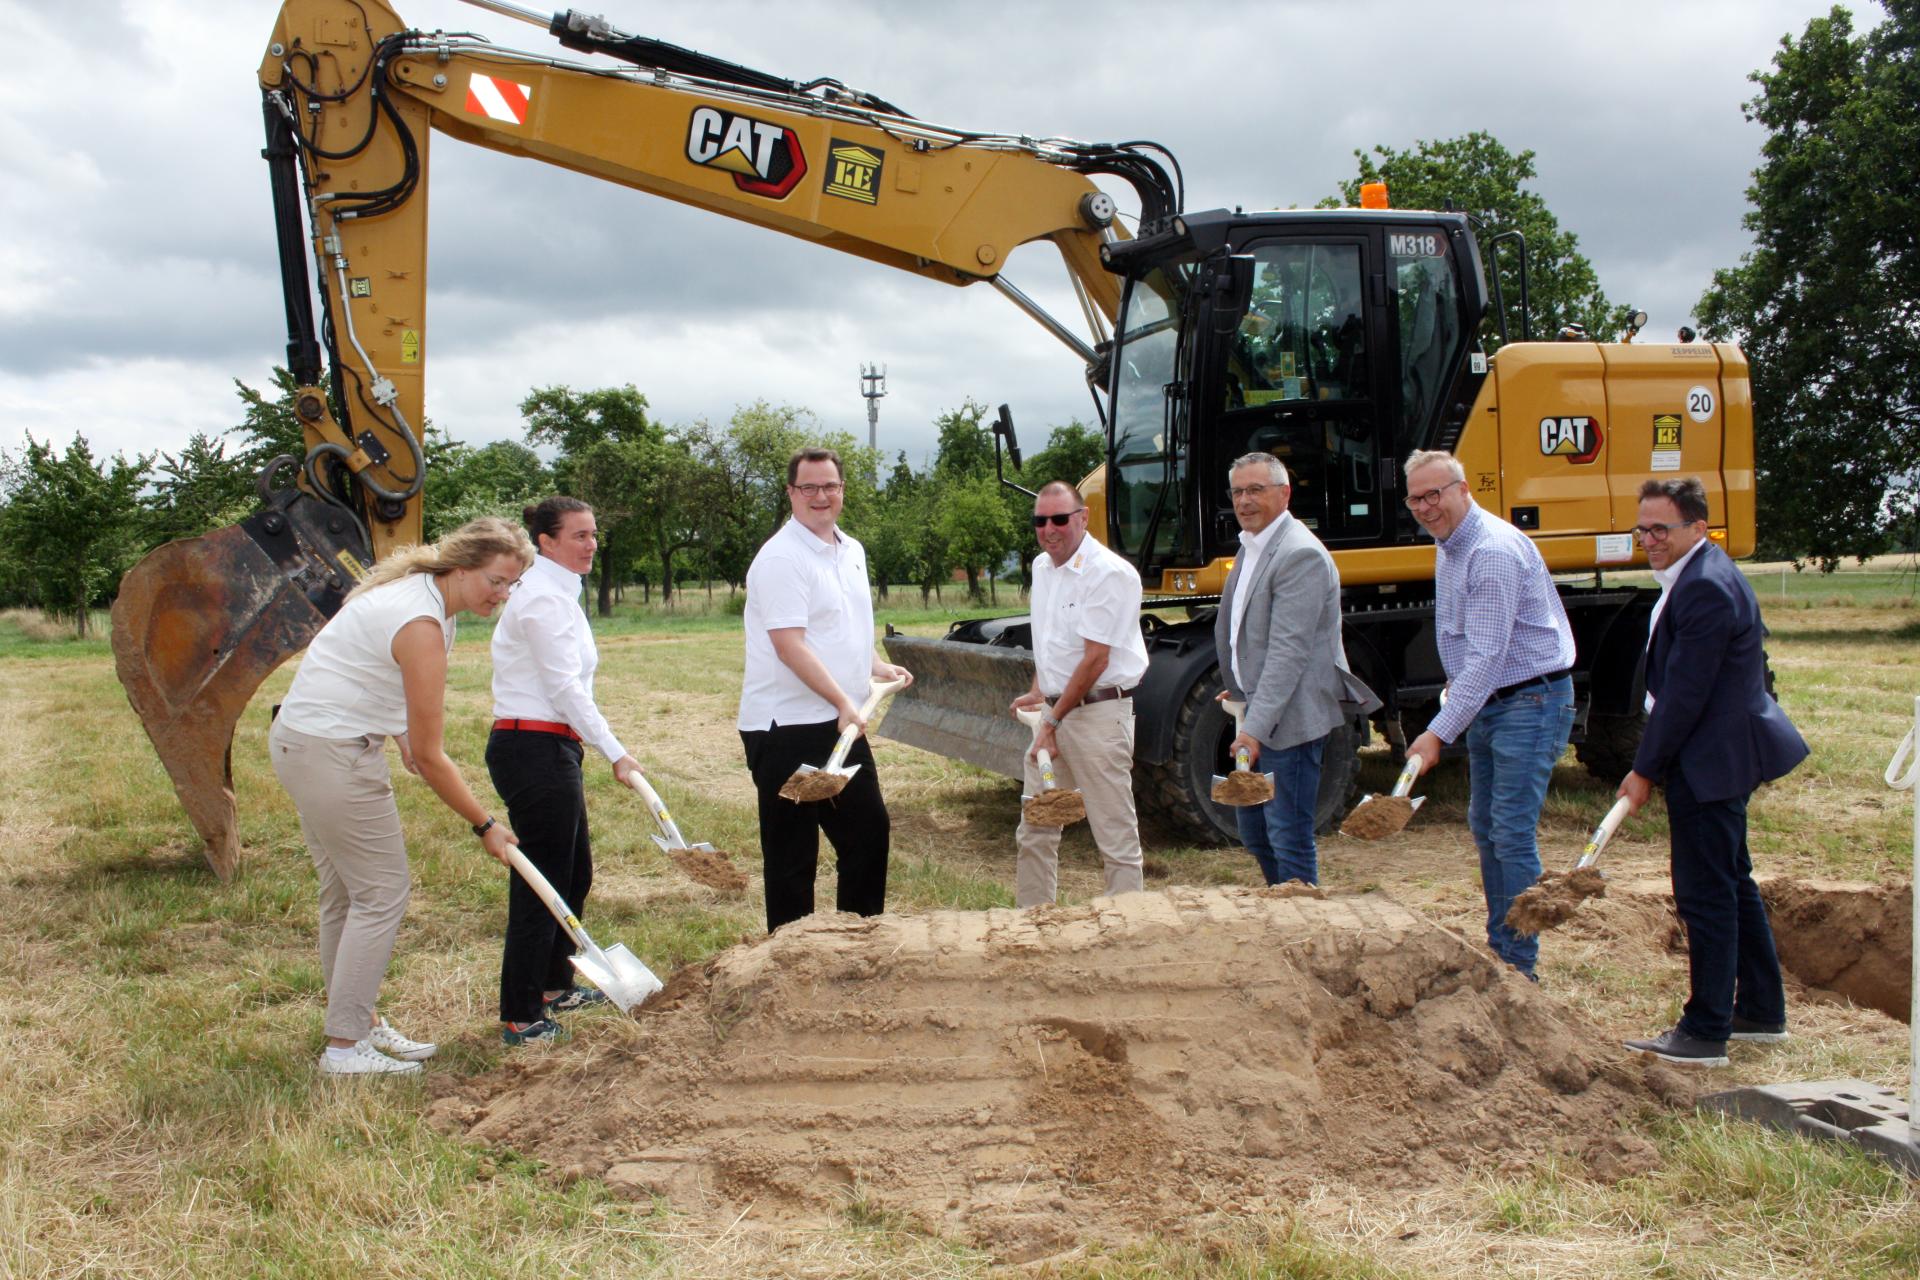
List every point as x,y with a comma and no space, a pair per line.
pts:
1178,791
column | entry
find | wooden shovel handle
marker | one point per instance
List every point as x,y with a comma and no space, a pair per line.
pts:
1407,775
878,690
1603,833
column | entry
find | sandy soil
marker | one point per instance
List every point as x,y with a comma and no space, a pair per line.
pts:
1554,897
1243,787
1377,816
1027,1080
711,868
1055,807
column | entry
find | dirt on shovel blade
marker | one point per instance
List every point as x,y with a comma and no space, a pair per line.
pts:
1553,898
805,787
1056,807
1380,816
711,868
1243,787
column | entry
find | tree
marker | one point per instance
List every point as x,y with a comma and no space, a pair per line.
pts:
199,489
499,478
1827,305
73,523
974,523
1477,174
965,451
603,437
1072,452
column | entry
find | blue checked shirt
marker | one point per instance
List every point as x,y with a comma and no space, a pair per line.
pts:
1497,617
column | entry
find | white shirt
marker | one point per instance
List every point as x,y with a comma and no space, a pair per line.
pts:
1095,595
1666,578
798,580
348,685
544,657
1252,547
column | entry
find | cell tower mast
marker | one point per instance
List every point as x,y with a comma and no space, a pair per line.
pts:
873,385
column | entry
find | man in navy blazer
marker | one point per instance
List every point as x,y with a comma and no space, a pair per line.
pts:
1713,734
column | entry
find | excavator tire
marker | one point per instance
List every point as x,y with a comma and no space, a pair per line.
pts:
1607,750
1177,792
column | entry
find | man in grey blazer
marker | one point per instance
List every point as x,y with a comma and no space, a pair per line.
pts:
1278,638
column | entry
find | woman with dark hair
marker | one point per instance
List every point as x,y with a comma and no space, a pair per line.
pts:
543,664
378,670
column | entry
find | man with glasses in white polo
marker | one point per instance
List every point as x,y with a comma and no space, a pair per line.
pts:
1088,655
810,654
1507,650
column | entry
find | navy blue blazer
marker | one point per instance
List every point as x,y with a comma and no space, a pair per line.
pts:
1713,720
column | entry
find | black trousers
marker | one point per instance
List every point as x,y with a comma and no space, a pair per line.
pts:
1730,955
855,823
538,775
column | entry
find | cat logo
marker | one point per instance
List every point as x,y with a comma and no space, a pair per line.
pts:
764,159
1575,439
853,172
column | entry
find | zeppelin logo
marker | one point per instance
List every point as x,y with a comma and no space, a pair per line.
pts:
497,99
1575,439
764,159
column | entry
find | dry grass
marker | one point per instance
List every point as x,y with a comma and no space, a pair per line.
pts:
161,1118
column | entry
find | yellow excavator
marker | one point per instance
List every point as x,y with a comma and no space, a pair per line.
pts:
1336,339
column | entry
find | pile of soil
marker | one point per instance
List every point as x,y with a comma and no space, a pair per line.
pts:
711,868
805,788
1378,816
1553,898
1029,1080
1055,807
1851,939
1243,787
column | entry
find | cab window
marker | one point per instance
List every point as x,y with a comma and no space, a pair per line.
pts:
1303,337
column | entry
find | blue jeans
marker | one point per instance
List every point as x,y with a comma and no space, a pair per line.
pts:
1511,748
1279,833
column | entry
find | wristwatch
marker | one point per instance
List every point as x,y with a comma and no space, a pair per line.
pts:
1048,718
484,827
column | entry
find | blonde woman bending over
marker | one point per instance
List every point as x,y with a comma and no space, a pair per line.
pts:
378,670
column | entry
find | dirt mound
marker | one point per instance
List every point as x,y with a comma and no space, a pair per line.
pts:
1026,1080
1855,940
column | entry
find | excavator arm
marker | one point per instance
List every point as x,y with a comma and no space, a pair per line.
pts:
351,97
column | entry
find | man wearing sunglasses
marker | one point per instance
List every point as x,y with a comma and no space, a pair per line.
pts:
1087,657
809,629
1713,734
1507,650
1278,638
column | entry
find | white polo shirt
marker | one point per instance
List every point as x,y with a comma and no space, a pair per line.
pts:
798,580
1095,595
348,685
544,657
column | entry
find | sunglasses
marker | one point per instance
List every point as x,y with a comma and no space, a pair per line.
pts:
1058,520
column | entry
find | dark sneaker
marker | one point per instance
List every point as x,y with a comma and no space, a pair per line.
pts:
575,998
1675,1045
545,1031
1758,1032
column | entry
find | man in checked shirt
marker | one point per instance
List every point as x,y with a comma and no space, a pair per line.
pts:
1508,653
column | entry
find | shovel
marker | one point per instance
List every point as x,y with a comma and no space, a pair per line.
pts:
823,783
1243,787
1378,816
616,971
1602,833
701,862
1555,897
1054,806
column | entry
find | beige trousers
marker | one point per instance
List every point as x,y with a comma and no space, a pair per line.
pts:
1096,756
344,793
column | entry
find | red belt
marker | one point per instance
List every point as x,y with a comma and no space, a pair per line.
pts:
537,726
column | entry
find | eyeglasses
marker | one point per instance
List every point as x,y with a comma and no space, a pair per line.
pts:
507,585
1431,496
1252,490
1657,532
830,488
1058,520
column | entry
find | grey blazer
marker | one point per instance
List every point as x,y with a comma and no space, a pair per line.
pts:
1299,685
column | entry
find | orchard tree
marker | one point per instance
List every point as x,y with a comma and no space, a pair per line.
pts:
496,479
1827,305
73,523
1477,175
604,438
198,489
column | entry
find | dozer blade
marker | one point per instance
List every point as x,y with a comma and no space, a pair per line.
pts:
200,623
957,703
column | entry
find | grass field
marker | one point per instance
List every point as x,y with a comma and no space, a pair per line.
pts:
161,1118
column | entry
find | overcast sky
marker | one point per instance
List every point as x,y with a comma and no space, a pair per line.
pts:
137,265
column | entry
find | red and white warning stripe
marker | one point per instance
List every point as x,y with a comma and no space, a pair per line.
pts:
501,100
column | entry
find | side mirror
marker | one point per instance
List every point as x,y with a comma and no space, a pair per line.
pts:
1232,288
1003,430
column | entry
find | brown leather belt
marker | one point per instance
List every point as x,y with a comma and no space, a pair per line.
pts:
537,726
1107,694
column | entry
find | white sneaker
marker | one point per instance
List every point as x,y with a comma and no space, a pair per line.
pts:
363,1060
390,1042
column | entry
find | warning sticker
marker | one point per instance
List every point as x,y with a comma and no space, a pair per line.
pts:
1666,442
1613,548
409,346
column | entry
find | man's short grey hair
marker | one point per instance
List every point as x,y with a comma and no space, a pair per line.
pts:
1428,457
1276,469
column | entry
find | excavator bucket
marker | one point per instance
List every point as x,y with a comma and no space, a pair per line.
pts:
957,703
201,622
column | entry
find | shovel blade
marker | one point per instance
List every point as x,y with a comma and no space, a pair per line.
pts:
620,974
667,846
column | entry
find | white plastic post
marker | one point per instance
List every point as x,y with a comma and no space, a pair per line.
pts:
1908,753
